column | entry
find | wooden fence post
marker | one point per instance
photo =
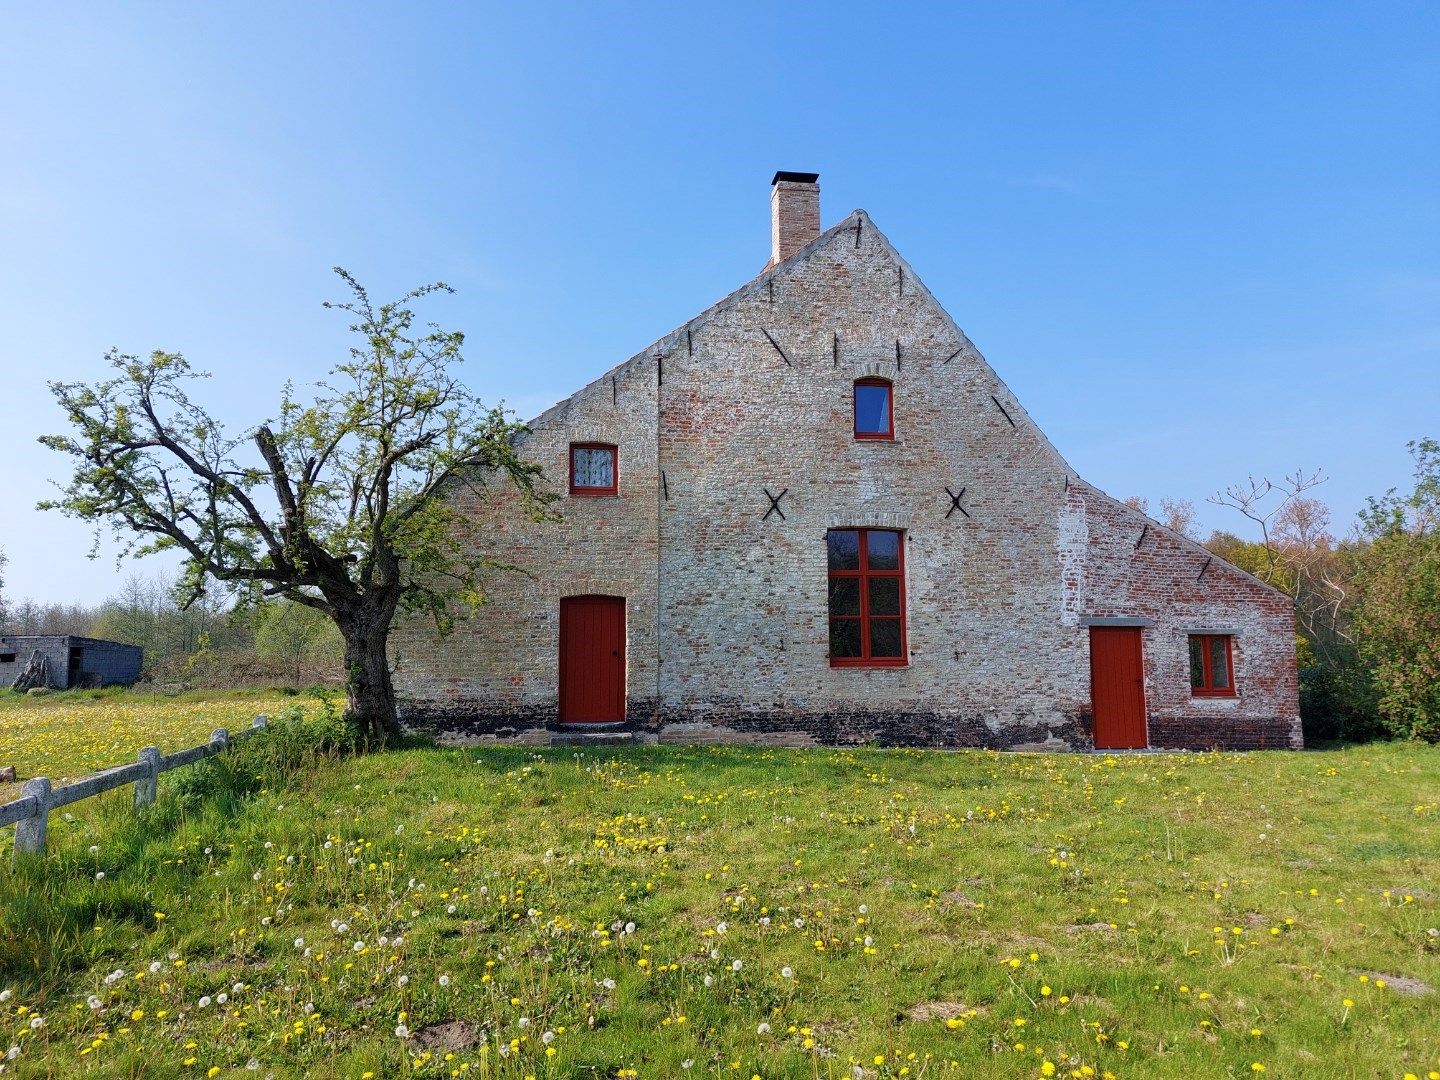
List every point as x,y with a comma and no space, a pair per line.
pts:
30,832
220,738
145,786
259,722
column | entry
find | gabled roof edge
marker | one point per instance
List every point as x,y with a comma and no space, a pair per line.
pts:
1194,545
970,346
755,284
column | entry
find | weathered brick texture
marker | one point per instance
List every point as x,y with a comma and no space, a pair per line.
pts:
726,609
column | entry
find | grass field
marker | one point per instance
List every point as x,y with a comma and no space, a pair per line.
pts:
663,912
70,735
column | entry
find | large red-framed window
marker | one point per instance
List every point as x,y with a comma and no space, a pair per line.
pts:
874,409
594,469
1212,665
867,597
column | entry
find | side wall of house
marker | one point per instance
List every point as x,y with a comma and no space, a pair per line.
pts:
1120,564
496,675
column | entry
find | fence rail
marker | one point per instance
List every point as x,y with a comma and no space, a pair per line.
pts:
30,814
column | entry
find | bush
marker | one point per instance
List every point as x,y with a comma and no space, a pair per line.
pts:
1397,620
1339,701
292,740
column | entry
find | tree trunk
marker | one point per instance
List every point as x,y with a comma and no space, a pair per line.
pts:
369,696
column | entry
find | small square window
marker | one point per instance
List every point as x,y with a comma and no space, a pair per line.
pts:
874,409
593,469
7,657
1212,668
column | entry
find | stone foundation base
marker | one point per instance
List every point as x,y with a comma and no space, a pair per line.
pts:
1225,733
453,725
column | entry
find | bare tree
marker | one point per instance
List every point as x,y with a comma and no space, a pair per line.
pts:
1178,515
1298,553
1263,501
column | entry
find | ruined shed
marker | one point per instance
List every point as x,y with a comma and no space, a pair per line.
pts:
70,661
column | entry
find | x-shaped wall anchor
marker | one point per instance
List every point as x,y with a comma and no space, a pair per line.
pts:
774,503
955,502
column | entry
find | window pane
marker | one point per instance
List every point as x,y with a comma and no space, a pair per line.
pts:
844,547
844,596
884,596
1197,663
844,637
594,468
1219,668
883,550
885,637
872,409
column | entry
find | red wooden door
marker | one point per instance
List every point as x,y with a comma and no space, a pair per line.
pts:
592,659
1117,688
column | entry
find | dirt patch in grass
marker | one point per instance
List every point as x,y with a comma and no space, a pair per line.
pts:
1024,943
448,1035
940,1010
1401,984
956,898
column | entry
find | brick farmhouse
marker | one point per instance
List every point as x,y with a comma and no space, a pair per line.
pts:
814,513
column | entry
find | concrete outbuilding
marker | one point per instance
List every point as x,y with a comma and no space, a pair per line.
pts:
71,662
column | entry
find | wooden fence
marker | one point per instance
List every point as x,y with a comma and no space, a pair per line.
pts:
30,814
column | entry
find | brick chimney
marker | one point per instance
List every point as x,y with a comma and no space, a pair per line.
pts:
794,213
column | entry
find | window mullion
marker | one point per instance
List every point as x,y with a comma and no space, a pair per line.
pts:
865,616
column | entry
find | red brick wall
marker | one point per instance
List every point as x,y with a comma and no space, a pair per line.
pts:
1133,567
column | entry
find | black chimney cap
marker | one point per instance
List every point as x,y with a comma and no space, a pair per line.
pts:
795,177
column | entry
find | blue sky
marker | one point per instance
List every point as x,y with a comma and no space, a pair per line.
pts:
1196,240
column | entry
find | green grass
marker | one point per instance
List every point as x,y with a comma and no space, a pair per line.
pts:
74,733
922,903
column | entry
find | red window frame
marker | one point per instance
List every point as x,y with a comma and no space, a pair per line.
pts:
865,575
586,490
1207,674
889,432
